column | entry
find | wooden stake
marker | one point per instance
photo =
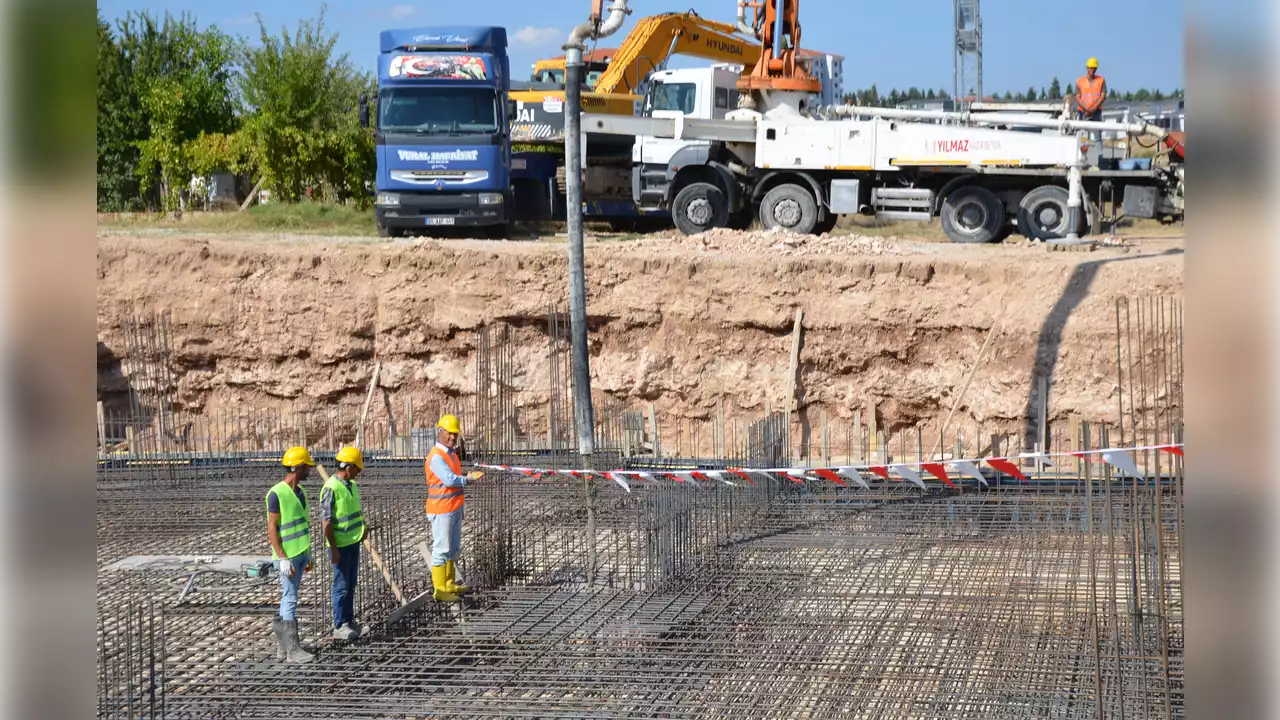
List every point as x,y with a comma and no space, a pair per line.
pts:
102,431
793,371
368,401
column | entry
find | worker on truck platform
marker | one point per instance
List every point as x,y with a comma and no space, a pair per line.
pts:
1091,92
289,533
344,528
445,484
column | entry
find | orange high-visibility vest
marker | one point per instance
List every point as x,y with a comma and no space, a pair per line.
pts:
1089,92
442,499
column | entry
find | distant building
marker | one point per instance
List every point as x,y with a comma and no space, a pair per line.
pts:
944,104
827,68
1170,114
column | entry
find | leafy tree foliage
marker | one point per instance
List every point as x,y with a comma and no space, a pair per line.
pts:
299,108
162,82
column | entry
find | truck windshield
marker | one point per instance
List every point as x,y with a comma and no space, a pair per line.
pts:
438,110
674,96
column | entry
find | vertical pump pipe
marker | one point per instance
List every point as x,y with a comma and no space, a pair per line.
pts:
1075,204
573,67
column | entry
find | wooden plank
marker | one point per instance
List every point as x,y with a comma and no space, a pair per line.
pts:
253,195
368,401
793,371
102,431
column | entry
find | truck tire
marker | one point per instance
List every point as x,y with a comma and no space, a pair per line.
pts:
789,207
1042,213
699,207
972,215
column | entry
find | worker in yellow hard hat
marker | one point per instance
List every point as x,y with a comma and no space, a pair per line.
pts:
344,528
445,483
289,533
1091,92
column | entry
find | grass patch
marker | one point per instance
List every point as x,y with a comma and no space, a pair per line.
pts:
303,218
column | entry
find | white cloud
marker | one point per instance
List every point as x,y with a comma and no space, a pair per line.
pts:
530,36
401,12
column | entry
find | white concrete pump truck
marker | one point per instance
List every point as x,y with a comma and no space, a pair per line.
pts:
799,168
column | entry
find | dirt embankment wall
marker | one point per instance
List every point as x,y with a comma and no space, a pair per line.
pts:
296,324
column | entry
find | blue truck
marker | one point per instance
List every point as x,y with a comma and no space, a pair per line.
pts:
441,122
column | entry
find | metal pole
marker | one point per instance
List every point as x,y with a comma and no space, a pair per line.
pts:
577,271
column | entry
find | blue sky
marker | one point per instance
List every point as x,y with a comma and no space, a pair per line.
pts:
897,43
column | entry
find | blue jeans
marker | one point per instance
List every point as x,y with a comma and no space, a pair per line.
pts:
289,586
344,585
446,537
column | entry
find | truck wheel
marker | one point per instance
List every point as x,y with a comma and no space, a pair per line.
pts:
972,215
700,207
789,207
1042,214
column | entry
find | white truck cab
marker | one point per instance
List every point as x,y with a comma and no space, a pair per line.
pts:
703,93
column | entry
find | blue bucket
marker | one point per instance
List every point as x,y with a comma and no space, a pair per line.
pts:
1136,164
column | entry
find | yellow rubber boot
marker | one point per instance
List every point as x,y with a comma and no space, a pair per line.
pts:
440,580
451,578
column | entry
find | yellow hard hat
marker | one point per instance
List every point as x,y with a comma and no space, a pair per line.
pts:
1092,63
350,455
450,423
295,456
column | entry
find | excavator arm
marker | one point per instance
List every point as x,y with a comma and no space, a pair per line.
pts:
658,37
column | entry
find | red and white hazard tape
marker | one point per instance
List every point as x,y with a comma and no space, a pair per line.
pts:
1119,458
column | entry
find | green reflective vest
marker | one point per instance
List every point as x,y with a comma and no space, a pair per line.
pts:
348,523
295,524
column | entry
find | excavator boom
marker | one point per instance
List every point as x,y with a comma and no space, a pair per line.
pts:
658,37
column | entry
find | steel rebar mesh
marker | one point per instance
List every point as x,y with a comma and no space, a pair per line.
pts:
1058,598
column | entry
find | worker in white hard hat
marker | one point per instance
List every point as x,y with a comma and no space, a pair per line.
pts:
344,528
289,533
1091,92
445,483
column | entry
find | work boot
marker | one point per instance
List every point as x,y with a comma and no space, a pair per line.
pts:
451,584
295,654
277,627
344,632
440,582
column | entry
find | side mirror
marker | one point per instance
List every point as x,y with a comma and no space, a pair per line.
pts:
363,105
511,109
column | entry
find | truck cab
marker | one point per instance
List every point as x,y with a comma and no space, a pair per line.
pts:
441,120
704,93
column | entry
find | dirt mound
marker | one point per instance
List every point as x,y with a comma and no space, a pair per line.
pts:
782,243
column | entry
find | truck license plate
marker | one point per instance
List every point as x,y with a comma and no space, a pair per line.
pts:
440,221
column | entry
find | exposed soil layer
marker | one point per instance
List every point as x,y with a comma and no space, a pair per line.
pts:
294,322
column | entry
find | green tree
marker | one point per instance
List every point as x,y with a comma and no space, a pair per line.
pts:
931,95
162,83
1055,89
299,105
1030,95
1008,96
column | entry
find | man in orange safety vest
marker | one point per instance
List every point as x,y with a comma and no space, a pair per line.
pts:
445,483
1091,92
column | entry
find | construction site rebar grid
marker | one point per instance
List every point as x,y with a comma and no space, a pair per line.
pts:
1056,598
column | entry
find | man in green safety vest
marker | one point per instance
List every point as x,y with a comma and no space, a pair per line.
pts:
343,530
289,532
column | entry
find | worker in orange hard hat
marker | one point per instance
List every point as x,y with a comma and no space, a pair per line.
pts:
1091,92
445,483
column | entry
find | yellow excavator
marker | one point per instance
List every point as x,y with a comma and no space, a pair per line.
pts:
551,70
653,40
